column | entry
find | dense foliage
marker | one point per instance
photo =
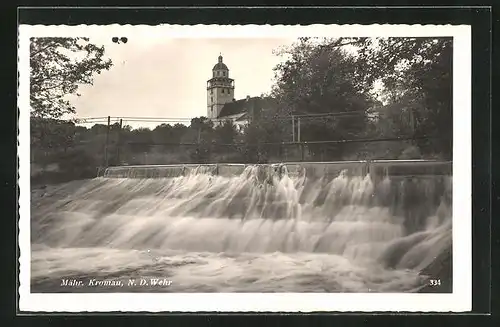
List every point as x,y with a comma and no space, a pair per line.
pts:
57,67
398,87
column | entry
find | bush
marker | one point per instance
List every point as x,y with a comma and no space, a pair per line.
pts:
412,152
76,163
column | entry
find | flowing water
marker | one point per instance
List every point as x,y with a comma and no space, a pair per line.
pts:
255,230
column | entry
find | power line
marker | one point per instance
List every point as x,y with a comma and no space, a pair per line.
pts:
359,112
388,139
185,119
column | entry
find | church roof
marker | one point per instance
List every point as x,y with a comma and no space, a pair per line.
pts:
236,117
233,108
241,106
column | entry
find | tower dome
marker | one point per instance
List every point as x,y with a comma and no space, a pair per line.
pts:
220,65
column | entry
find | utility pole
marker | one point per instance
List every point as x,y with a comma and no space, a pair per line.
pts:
119,144
412,122
293,129
107,142
298,127
198,148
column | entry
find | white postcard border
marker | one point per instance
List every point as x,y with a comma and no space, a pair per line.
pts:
458,301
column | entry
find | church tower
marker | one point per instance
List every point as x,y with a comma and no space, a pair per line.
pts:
220,89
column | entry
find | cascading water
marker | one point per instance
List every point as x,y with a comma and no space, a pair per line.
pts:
260,229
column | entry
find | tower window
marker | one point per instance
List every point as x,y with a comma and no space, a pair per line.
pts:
222,90
223,73
211,99
218,73
211,91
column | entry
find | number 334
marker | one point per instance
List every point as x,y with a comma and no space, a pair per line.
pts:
435,282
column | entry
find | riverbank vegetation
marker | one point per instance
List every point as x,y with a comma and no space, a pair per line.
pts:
358,98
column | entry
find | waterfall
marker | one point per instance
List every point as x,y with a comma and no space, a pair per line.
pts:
391,223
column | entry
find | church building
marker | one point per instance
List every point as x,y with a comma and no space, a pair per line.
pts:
221,102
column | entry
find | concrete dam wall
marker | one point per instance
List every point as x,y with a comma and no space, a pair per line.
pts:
376,168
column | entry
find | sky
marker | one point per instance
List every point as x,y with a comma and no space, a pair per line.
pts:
166,77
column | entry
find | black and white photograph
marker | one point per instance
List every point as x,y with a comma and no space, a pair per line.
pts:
285,167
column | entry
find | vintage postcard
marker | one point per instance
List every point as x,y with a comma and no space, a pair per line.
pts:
245,168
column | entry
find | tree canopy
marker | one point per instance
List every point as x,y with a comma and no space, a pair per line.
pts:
57,67
417,75
392,86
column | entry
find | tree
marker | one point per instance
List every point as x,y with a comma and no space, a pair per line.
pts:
199,135
225,143
141,140
168,138
322,78
416,74
57,67
166,133
51,133
252,151
225,133
412,77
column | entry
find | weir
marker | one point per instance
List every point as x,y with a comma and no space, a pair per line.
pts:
375,168
411,188
390,214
